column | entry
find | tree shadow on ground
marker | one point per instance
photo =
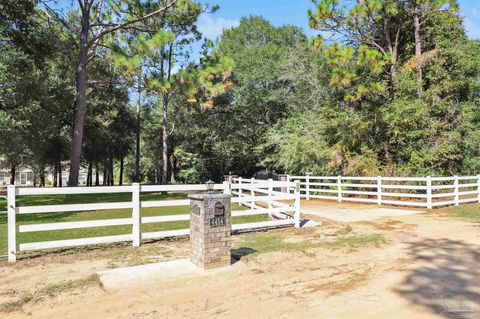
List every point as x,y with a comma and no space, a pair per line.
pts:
239,253
447,280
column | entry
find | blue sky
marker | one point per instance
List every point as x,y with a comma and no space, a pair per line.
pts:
294,12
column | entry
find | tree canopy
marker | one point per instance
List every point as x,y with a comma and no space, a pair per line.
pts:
390,87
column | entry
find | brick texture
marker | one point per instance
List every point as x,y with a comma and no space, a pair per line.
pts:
210,244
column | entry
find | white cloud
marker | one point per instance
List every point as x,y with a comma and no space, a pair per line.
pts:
212,27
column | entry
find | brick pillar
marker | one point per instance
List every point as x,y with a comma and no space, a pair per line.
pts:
210,230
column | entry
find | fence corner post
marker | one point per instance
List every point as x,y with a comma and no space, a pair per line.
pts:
429,192
307,183
136,232
12,224
456,198
252,193
288,181
270,191
478,187
296,204
240,190
227,187
339,188
379,190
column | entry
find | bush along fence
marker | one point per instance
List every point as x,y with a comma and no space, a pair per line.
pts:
425,192
262,197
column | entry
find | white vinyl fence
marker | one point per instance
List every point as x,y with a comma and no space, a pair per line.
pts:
260,197
426,192
272,194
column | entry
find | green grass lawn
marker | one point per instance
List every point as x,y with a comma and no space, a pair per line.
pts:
465,212
95,215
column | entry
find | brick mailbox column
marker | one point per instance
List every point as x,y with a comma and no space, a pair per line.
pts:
210,230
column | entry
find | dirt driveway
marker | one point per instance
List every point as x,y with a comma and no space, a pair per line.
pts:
353,212
418,266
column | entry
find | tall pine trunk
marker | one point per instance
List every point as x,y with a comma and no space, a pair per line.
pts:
165,138
81,101
13,171
172,165
55,174
111,173
60,177
171,178
418,47
89,174
120,178
138,128
392,48
97,176
42,177
105,173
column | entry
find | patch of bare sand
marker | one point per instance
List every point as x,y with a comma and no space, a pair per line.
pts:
427,264
34,273
353,212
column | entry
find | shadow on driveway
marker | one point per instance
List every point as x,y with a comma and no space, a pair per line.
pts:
447,279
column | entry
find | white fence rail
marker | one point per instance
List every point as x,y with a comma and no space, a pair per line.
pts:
272,194
426,192
261,199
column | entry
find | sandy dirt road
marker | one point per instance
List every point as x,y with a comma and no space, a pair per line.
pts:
417,266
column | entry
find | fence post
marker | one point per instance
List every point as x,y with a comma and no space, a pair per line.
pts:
288,181
455,191
227,187
478,187
240,190
307,182
379,190
270,191
252,193
339,187
296,204
12,224
429,192
136,233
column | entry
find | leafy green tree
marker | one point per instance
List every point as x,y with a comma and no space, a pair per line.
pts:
162,63
225,137
109,127
380,25
437,133
421,11
360,130
88,26
33,99
376,24
130,53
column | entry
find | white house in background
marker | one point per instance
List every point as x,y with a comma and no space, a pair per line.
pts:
24,176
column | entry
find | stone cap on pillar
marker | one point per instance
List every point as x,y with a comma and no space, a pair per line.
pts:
202,196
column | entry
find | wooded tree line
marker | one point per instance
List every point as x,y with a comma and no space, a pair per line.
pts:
390,87
403,97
